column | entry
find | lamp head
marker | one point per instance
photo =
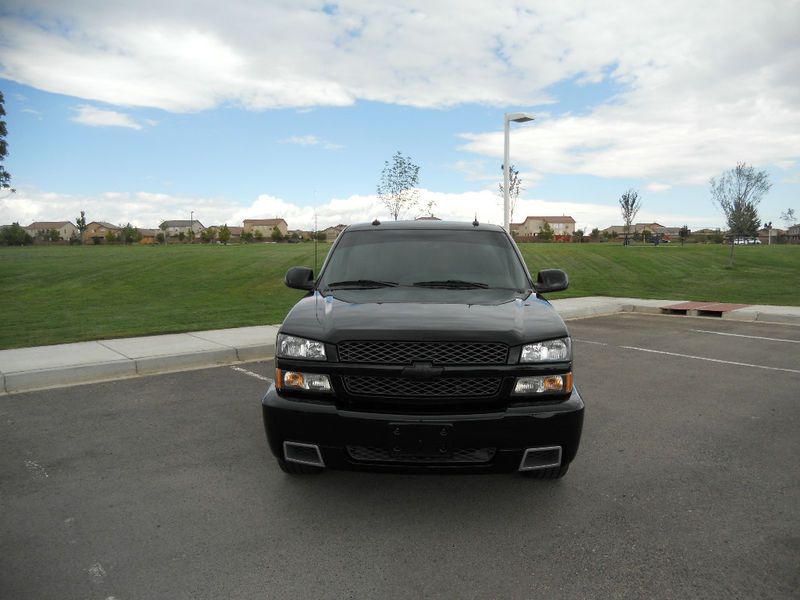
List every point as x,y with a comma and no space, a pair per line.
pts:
519,117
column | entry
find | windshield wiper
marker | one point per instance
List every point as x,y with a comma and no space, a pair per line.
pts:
360,284
454,284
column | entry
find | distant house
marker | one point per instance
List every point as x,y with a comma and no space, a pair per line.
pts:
331,233
431,218
175,228
65,229
96,231
640,227
764,234
236,233
148,235
265,226
793,234
531,226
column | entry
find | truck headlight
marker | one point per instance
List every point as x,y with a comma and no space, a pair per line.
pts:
289,346
310,382
549,351
543,384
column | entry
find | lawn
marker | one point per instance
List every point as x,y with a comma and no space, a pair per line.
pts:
60,294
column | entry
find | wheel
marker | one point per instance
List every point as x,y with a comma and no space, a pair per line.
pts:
293,468
552,473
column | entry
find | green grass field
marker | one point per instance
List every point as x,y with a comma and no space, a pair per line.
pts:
51,295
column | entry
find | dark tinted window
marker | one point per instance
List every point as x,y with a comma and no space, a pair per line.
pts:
410,256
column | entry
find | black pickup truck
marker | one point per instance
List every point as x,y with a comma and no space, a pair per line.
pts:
424,346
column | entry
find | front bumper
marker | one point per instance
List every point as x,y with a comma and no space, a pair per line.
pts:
507,432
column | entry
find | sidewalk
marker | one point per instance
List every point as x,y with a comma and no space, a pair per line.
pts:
27,369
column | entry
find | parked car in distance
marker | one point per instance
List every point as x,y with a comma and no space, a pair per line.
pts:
424,346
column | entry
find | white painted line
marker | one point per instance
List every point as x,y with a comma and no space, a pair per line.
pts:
715,360
752,337
590,342
251,374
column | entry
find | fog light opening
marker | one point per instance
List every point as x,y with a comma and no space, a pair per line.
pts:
540,458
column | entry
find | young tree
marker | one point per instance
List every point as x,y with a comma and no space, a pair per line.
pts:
52,235
594,235
224,234
514,189
629,205
246,238
163,228
190,234
130,234
397,187
15,235
208,235
276,234
546,232
259,236
5,176
81,223
737,194
788,217
683,233
578,236
111,237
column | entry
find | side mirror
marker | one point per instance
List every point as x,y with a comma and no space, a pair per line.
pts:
299,278
551,280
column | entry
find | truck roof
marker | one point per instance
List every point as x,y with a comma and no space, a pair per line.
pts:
424,224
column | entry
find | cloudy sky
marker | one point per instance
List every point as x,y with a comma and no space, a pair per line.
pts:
148,110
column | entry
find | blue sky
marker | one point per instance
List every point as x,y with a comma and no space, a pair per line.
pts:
149,114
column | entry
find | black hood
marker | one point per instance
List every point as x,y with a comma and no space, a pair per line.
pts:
478,315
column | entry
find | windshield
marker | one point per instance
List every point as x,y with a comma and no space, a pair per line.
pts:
436,258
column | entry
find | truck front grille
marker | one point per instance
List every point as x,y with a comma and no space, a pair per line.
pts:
438,353
450,387
462,455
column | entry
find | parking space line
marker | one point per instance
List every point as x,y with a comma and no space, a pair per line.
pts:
251,374
752,337
715,360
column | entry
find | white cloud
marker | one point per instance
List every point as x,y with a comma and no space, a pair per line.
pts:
658,187
147,209
97,117
702,85
311,140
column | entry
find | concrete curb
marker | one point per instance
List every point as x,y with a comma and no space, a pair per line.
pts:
28,369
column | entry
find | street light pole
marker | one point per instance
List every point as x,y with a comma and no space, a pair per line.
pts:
507,118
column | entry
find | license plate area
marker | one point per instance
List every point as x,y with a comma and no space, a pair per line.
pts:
415,440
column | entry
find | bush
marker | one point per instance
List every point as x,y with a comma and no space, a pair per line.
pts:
15,235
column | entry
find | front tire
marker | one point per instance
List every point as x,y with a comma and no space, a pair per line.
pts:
293,468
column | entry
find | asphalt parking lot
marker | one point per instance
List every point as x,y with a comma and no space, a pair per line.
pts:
686,486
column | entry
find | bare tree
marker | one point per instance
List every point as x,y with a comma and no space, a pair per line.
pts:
429,204
737,193
788,217
397,187
514,189
629,205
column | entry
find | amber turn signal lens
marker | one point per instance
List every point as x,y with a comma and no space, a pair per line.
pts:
294,379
